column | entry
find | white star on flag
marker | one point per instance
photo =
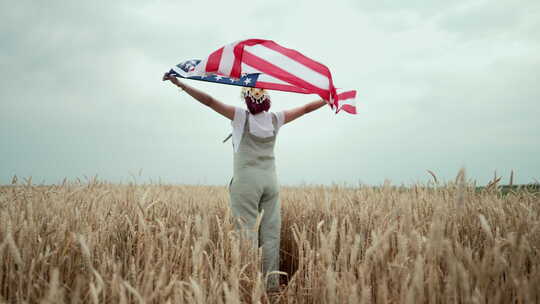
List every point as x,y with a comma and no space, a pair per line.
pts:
247,81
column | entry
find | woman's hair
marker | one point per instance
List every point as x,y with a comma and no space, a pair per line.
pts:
257,100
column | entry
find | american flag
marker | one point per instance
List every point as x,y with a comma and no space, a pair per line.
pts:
267,65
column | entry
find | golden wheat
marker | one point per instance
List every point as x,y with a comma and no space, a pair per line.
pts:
96,242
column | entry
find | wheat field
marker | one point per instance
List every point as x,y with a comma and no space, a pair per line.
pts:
97,242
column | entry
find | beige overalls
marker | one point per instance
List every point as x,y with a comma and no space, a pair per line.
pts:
253,189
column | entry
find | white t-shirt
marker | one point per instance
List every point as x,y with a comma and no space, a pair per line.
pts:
259,125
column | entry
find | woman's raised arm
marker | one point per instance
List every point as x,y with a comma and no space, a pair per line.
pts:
293,114
207,100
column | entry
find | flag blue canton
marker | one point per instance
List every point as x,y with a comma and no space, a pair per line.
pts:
248,80
189,65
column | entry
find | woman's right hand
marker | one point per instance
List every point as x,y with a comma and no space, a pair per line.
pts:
167,76
173,80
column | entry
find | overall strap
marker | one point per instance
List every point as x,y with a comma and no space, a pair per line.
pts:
274,123
246,123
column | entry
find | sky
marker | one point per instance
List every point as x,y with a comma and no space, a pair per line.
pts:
441,85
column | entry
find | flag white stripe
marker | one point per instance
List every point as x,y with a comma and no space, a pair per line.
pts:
200,69
263,77
249,69
268,78
179,71
348,101
227,59
292,66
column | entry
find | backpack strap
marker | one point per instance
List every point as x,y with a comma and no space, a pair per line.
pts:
227,138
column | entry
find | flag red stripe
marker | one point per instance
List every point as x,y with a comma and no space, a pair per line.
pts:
279,73
281,87
237,65
349,109
300,58
212,64
238,51
297,56
347,95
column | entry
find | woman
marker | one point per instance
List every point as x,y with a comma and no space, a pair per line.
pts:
253,189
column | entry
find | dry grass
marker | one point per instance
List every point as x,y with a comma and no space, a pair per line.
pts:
97,242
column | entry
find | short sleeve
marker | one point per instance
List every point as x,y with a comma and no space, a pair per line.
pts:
280,119
239,118
238,126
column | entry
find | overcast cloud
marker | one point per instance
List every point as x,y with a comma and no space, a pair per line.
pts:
441,85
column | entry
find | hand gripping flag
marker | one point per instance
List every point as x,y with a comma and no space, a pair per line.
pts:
267,65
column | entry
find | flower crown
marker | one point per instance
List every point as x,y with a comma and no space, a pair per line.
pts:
255,94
